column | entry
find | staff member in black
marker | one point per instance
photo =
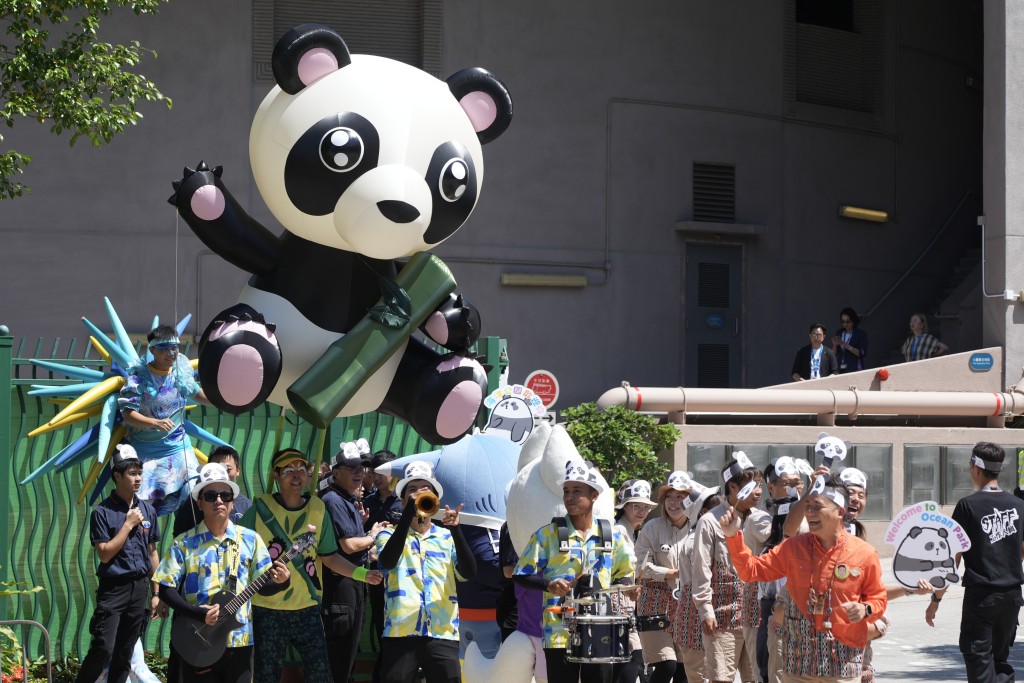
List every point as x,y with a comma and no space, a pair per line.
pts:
344,597
124,531
994,521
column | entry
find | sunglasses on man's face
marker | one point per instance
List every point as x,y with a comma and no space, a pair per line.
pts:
212,496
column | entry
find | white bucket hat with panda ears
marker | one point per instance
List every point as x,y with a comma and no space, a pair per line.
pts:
576,469
634,491
122,452
419,469
213,473
678,481
851,476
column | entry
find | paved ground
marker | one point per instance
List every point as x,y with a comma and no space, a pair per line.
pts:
913,651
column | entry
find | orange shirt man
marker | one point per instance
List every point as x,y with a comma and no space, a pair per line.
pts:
834,578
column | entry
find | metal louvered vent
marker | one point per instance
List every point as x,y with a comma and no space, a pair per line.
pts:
830,68
714,192
405,30
713,366
713,285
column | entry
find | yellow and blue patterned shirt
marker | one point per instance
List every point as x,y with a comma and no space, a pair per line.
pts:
199,566
419,593
542,557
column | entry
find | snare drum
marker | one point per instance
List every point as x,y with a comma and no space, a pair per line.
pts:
597,639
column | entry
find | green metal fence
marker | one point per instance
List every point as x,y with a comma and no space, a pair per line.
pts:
45,541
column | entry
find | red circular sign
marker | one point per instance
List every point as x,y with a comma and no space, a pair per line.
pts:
544,384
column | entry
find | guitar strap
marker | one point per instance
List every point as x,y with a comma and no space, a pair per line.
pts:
274,527
233,558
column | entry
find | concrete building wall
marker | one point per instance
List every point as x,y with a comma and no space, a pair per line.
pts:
613,104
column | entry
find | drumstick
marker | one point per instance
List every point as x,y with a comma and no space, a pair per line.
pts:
583,573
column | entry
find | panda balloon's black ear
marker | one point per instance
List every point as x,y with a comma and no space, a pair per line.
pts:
485,100
306,54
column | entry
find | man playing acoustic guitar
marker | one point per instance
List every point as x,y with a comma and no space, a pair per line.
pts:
214,557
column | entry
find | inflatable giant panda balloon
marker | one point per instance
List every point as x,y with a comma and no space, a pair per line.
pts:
366,162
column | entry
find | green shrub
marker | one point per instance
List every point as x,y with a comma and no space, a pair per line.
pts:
623,443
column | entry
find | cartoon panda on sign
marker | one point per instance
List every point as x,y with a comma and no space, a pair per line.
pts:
364,161
925,554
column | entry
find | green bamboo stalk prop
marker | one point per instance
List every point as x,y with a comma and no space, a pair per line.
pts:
326,387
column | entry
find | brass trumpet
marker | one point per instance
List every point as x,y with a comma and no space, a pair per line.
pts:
427,504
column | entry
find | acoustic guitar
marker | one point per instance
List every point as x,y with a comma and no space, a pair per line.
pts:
201,644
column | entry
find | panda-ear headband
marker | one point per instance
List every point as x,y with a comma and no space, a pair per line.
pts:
788,467
835,495
986,465
740,463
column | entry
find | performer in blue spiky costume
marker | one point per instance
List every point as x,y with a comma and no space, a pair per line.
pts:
152,403
143,400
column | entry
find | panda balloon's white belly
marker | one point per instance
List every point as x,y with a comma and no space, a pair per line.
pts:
302,343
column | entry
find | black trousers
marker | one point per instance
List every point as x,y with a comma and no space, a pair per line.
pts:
376,597
122,606
563,671
439,659
767,605
988,627
234,666
343,611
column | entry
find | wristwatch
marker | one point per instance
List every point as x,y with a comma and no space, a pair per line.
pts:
867,609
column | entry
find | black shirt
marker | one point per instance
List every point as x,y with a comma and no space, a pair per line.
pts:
132,560
388,510
994,521
345,518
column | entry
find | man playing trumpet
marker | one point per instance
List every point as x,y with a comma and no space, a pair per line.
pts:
422,561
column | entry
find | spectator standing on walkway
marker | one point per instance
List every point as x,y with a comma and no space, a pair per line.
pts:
994,521
814,360
850,343
921,345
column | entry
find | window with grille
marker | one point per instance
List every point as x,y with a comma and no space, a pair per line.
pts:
714,192
713,366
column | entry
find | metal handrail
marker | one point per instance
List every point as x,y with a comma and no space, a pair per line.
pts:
25,623
920,257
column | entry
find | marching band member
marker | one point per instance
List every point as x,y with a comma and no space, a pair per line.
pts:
215,556
544,566
423,561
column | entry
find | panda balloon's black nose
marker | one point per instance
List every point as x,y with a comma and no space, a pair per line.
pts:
398,211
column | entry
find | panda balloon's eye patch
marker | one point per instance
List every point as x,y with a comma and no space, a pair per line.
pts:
454,179
453,182
331,155
341,149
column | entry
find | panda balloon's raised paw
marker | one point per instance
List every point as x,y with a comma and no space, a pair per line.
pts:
454,325
239,360
367,163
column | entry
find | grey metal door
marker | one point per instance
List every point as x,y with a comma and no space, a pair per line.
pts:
713,311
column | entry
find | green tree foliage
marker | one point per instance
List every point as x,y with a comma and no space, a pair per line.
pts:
622,442
55,70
